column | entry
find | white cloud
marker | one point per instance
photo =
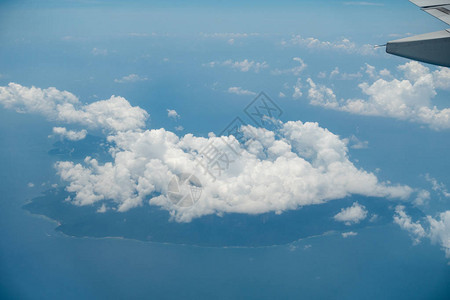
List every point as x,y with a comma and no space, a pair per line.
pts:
344,45
422,197
437,229
228,35
102,209
405,222
352,215
30,184
308,166
179,128
304,165
298,89
385,73
97,51
142,34
240,91
335,72
171,113
243,66
322,75
70,134
294,70
406,99
281,95
438,187
355,143
348,234
130,78
440,231
320,95
114,114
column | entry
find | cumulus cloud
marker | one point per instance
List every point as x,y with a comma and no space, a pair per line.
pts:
406,223
71,135
243,66
344,45
272,171
130,78
172,113
308,165
439,231
294,70
114,114
408,98
240,91
436,229
352,215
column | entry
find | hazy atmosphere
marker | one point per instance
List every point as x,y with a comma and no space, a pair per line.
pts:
221,150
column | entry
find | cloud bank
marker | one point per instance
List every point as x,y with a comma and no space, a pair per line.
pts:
243,66
408,98
112,115
300,164
309,165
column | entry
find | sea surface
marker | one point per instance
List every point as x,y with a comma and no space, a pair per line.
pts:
38,260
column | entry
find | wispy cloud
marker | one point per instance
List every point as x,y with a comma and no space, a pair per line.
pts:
228,35
294,70
348,234
130,78
98,51
344,45
240,91
243,66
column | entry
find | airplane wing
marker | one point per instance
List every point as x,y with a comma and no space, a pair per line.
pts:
437,8
433,48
